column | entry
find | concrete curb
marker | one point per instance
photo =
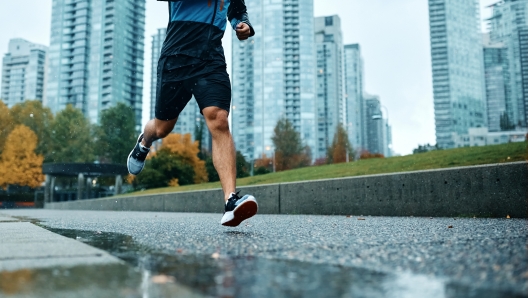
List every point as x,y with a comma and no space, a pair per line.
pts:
494,190
27,246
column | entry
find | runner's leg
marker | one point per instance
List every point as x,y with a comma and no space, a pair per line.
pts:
157,129
213,94
224,156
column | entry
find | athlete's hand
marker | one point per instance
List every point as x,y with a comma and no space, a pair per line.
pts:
243,31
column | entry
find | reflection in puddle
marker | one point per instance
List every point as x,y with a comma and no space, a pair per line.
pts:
116,280
154,274
15,282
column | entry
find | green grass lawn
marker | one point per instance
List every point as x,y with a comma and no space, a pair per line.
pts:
424,161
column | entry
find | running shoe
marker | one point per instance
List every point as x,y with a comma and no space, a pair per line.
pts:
238,209
136,158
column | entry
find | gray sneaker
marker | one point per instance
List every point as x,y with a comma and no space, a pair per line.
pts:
136,158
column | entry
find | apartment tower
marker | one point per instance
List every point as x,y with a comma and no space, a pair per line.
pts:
96,56
273,75
23,72
457,63
331,106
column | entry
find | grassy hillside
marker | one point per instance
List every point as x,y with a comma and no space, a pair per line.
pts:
424,161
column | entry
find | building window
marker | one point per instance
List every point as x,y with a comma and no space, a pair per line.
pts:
329,21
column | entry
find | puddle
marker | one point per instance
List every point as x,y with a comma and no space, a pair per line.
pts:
116,280
185,275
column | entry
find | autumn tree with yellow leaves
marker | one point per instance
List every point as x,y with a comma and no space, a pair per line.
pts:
6,124
182,145
19,164
38,118
337,152
175,163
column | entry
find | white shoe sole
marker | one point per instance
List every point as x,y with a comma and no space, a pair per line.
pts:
245,210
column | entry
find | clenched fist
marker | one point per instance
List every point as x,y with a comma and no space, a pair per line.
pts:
243,31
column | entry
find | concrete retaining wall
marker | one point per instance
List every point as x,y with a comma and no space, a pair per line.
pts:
491,190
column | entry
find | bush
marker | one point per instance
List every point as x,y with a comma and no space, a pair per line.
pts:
367,155
261,171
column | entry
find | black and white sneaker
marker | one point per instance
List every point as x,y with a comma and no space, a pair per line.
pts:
238,209
136,158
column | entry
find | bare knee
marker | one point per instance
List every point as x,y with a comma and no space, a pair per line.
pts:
219,125
217,120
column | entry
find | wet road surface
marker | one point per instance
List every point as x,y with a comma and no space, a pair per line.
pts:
186,255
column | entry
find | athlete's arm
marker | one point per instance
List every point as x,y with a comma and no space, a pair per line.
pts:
238,17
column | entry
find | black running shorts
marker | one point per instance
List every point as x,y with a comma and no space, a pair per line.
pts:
211,88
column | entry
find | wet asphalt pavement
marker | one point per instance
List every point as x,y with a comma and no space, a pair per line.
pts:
303,256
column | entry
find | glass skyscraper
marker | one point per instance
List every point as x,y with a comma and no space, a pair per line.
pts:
96,56
23,72
331,107
457,64
376,136
274,75
355,105
498,87
522,38
509,26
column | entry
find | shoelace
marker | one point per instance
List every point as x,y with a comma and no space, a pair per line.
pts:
235,197
140,154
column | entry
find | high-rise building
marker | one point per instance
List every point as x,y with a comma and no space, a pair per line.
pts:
274,75
522,37
157,44
355,105
376,138
23,72
457,65
498,88
96,56
331,107
508,26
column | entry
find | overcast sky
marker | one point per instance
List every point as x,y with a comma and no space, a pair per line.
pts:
393,34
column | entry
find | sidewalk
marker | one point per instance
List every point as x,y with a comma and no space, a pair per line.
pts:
27,246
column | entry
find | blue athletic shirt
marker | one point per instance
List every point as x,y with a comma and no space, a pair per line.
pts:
195,32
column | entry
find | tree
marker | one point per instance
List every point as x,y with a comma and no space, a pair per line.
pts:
175,163
19,165
6,123
165,168
242,166
181,145
337,153
263,165
212,174
425,148
505,123
71,137
115,134
289,151
38,118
